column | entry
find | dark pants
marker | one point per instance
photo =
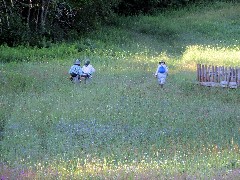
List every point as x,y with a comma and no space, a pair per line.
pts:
85,75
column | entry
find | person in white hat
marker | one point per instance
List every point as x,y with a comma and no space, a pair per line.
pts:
75,72
88,70
161,73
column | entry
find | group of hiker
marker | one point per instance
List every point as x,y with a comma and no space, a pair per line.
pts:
77,73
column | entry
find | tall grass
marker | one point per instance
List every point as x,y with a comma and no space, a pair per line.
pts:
121,125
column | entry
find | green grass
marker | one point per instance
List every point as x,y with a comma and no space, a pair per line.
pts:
121,125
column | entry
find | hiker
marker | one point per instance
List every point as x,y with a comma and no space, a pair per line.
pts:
88,70
161,73
76,72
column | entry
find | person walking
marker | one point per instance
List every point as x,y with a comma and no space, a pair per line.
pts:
161,73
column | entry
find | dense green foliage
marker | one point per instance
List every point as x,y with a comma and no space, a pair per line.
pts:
127,128
40,22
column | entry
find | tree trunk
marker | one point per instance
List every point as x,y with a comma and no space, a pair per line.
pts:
46,12
29,13
37,19
42,26
6,13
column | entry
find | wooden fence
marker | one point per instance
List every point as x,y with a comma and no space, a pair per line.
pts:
208,75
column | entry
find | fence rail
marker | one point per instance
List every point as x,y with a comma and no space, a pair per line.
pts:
208,75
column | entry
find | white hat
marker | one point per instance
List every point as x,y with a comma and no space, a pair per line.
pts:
77,62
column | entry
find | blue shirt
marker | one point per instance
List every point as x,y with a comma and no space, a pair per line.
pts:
76,69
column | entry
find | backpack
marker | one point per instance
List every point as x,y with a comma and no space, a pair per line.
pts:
73,71
161,69
73,74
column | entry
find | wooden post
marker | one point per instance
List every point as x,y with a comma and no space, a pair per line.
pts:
229,74
213,74
238,76
202,73
218,74
221,74
208,73
208,76
198,72
233,81
205,73
224,81
225,73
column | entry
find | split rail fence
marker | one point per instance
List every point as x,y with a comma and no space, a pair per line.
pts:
208,75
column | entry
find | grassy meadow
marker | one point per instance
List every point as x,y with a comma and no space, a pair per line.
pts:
121,124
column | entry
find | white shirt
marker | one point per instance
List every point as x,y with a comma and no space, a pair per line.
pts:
88,69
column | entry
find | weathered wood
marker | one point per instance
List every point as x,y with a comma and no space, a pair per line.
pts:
198,73
209,75
213,74
203,73
238,78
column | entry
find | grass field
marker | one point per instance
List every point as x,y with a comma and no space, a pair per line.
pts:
121,125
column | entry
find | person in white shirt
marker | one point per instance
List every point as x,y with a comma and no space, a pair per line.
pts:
161,73
87,69
75,72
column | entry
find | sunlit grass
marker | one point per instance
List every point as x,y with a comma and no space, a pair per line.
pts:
221,56
209,162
